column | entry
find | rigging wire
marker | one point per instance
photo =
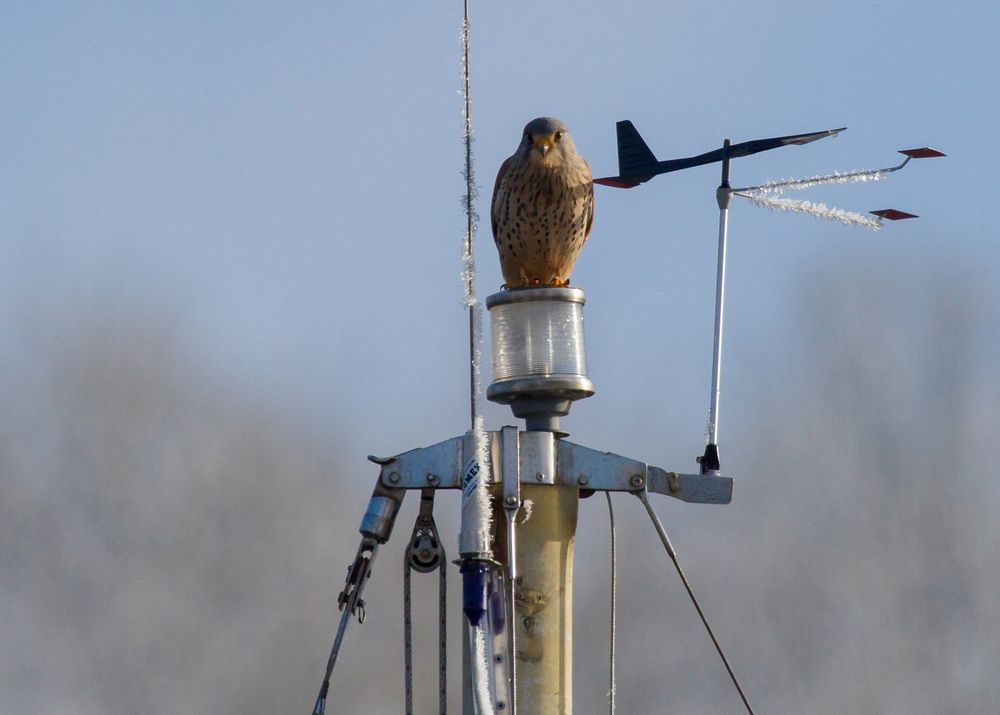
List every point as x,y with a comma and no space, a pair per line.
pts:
442,638
407,638
614,604
425,553
644,498
351,604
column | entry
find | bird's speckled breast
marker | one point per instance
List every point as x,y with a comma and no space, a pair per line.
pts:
542,215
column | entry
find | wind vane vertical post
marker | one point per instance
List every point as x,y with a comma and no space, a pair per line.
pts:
724,197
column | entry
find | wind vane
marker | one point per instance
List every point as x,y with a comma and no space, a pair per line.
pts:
637,164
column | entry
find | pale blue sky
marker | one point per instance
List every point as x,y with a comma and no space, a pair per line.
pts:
287,181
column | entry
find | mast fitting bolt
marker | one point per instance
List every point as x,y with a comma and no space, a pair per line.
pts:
635,480
582,479
432,479
511,500
394,477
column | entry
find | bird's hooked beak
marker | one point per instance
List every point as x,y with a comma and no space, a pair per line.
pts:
543,142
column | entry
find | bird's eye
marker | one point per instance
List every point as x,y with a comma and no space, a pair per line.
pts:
559,136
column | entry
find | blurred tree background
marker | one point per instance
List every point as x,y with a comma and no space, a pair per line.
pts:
173,544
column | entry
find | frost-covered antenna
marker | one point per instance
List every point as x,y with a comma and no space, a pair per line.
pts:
477,565
637,164
471,221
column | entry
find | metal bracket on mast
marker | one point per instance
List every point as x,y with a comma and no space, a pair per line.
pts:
537,457
440,466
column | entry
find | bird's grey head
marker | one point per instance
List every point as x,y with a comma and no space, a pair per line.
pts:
546,139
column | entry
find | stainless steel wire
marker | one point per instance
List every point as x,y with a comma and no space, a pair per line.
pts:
407,636
351,604
425,553
613,685
644,498
442,639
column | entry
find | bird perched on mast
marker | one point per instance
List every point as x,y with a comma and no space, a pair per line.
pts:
543,207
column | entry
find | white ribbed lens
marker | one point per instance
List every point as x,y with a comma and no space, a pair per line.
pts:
536,339
539,364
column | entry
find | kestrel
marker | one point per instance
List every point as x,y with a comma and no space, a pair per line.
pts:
543,207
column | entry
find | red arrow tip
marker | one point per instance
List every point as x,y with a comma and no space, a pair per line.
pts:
924,152
893,214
